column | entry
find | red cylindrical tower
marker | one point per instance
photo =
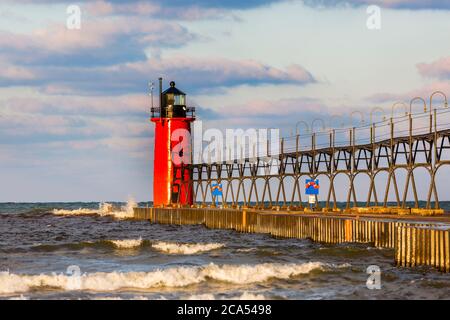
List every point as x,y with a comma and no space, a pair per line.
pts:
172,174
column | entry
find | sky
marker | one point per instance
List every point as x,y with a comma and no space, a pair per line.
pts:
74,103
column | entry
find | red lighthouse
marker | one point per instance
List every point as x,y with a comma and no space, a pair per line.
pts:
172,174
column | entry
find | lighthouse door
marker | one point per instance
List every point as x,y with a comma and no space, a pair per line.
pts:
175,193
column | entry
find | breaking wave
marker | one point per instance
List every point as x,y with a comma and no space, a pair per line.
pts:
207,296
105,209
128,243
244,296
121,298
163,247
172,277
102,244
76,212
186,248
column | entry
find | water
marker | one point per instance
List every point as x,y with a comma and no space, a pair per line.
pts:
43,246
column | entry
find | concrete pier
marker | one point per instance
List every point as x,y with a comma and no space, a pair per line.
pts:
417,241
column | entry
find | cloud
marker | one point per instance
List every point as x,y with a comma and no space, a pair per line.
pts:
217,72
193,74
152,9
406,97
439,69
105,41
169,10
73,118
173,4
271,109
14,73
284,114
109,56
154,6
107,106
393,4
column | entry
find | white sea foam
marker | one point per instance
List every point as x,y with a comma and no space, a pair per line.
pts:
206,296
244,296
105,209
120,298
186,248
172,277
21,297
127,244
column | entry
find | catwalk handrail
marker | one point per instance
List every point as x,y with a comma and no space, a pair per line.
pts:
432,128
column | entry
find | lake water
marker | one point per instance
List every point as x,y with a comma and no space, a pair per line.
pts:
95,251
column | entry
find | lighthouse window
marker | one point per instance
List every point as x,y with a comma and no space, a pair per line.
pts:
170,99
179,100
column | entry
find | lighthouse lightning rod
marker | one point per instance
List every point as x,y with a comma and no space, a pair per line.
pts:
160,97
152,86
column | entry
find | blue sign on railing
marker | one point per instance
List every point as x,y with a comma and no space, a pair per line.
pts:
217,189
312,187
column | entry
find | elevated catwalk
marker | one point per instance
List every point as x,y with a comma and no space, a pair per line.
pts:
395,161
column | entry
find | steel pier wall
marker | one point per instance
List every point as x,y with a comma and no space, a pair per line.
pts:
414,244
